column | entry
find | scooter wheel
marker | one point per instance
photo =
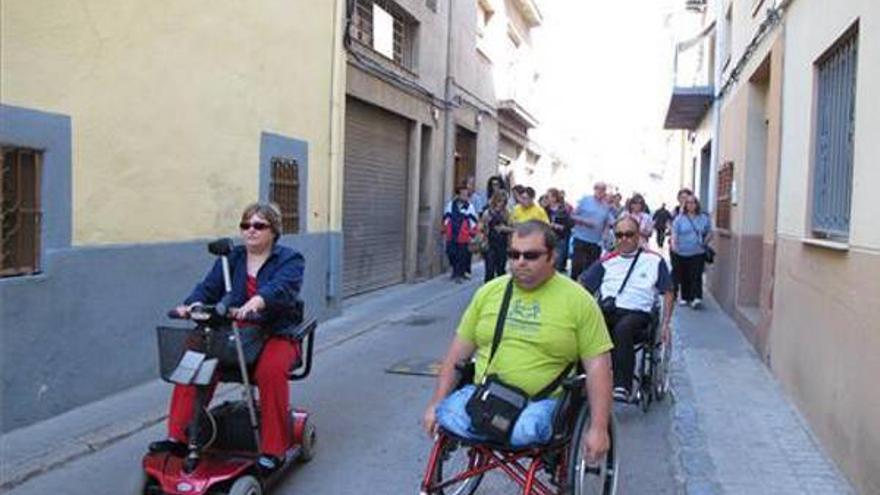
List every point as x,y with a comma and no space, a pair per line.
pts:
246,485
308,443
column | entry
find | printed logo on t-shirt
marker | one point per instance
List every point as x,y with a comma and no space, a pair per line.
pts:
523,316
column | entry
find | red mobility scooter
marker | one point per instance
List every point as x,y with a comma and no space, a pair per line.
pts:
224,441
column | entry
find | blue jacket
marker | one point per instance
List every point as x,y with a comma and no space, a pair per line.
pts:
279,282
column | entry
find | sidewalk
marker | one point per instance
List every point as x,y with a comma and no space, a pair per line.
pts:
39,448
734,430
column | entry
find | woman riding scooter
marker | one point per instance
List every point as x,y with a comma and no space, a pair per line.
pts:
266,279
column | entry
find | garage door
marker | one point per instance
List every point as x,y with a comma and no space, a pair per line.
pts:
374,208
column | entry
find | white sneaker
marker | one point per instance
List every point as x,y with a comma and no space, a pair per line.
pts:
682,302
697,303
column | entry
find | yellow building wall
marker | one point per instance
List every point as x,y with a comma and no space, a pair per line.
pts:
168,100
826,322
813,27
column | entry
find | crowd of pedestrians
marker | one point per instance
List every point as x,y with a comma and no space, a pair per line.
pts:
477,222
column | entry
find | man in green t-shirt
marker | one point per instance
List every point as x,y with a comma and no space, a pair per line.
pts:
551,322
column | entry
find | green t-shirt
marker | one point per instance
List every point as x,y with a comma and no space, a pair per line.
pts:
545,330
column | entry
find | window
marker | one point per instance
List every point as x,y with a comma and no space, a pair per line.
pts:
20,213
727,47
834,132
386,28
484,15
284,191
725,196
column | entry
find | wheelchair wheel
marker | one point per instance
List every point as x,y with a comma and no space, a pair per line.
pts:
592,479
661,371
456,458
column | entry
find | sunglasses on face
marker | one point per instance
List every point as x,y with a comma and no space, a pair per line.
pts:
514,255
625,235
255,225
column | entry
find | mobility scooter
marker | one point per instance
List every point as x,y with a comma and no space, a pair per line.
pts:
223,447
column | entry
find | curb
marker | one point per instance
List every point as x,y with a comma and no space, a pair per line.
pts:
15,473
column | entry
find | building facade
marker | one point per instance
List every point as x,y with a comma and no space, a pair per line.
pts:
424,113
132,132
790,177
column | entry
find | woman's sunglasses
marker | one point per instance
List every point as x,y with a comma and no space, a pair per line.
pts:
255,225
528,255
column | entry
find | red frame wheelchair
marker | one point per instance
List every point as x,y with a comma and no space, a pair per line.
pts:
457,465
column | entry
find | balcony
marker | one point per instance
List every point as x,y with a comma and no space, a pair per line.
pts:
687,107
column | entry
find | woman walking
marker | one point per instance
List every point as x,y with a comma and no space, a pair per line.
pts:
636,209
682,196
561,222
496,226
691,233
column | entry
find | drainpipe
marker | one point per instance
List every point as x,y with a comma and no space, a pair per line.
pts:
716,106
448,127
333,178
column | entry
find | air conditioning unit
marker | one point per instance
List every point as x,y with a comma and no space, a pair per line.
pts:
695,5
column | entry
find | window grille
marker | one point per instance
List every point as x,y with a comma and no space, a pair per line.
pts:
284,191
725,190
835,129
20,214
404,29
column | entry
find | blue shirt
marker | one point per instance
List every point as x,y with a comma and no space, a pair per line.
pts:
279,282
691,234
594,211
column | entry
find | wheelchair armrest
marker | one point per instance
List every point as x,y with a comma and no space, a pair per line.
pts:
305,328
465,369
304,333
574,382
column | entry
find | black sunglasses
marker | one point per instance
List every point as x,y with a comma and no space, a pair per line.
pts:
255,225
513,254
625,235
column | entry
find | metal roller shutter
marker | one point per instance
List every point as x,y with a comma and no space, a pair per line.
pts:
374,209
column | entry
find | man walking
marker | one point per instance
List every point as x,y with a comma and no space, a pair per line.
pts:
661,220
591,217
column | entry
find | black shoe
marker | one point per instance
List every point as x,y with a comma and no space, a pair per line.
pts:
172,446
268,464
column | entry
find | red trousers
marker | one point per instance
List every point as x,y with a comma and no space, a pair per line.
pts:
279,354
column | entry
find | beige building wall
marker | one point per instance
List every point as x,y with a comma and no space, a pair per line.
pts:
160,102
826,326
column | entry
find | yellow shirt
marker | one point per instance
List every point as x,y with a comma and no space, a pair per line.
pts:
534,212
545,330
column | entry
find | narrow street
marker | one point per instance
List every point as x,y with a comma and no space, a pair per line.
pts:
369,438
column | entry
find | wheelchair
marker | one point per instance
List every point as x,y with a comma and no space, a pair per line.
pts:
652,365
457,466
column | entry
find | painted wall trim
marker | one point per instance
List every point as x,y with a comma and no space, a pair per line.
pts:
273,145
50,133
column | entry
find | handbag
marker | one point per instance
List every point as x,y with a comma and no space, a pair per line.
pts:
495,406
222,345
709,253
609,304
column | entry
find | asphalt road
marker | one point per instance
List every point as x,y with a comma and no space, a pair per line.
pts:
369,438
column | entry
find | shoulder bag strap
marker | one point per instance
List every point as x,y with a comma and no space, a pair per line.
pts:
499,324
552,386
629,272
700,234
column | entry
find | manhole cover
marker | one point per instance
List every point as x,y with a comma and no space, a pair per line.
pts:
416,366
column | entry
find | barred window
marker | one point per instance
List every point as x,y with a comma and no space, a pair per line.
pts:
835,129
725,195
20,213
386,28
284,191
